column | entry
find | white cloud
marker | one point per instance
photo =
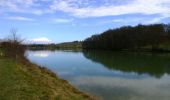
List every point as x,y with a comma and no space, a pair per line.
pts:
88,8
62,20
154,20
41,40
110,21
137,6
20,18
22,6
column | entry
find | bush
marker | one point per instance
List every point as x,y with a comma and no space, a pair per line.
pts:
13,47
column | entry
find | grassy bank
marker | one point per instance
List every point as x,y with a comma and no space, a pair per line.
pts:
22,80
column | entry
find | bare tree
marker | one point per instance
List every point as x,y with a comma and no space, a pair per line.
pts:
14,37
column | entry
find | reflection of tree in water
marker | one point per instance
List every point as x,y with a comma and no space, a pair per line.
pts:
152,64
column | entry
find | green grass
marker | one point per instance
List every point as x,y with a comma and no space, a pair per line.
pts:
26,81
165,46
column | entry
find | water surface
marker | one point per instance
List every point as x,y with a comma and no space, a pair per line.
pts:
110,75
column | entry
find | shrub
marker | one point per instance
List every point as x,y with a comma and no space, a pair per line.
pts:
13,47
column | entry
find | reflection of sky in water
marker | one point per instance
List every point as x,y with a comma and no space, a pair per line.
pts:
97,79
120,88
41,54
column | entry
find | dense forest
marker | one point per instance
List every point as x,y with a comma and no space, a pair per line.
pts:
131,38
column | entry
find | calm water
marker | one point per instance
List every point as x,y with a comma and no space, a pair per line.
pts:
111,75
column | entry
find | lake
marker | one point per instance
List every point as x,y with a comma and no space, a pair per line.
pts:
110,75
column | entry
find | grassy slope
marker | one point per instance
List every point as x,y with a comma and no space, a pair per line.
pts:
27,81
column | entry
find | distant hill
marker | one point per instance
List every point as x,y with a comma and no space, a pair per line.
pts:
65,45
74,44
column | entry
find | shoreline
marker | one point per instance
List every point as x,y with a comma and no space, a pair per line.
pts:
44,70
160,50
44,83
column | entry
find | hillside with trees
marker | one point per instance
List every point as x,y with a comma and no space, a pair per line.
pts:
65,45
140,37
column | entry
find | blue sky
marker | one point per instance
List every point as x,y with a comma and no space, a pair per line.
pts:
58,21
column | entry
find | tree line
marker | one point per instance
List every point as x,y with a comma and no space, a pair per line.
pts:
53,46
128,37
